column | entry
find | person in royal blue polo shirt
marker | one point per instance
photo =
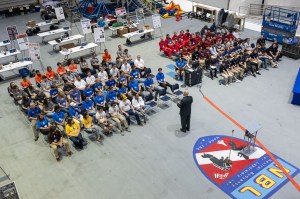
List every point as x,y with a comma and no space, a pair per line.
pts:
61,100
33,111
112,95
122,79
42,124
75,95
75,111
88,91
135,73
53,92
160,77
111,82
134,86
179,68
98,85
149,85
59,118
99,100
122,90
88,105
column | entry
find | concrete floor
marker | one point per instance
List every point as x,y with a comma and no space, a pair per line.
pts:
153,161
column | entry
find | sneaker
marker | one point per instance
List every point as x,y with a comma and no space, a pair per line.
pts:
226,85
69,153
57,159
237,81
128,130
258,73
141,124
254,75
36,138
122,133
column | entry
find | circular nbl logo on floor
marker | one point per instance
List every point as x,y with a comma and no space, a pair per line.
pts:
239,168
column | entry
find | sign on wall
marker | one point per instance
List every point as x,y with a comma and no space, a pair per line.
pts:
23,41
120,11
59,13
222,161
99,35
34,51
12,32
156,21
86,26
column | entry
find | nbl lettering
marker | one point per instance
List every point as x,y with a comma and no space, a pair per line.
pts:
266,182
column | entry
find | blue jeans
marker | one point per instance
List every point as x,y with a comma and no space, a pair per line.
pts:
264,60
130,112
77,141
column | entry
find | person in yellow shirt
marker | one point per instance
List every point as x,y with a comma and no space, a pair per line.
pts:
89,126
73,132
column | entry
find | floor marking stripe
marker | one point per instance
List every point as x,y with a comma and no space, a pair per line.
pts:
296,185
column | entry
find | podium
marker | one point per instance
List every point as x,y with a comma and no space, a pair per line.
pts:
251,131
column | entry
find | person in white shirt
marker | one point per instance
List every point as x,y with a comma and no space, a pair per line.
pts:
103,121
102,75
126,67
140,64
114,71
80,83
90,79
139,105
127,110
114,111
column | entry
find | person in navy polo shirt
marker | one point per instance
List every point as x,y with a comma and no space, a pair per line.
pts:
111,82
59,118
75,95
179,68
88,91
160,77
99,100
112,95
88,105
33,112
61,100
98,85
149,85
75,111
135,73
42,124
53,92
134,86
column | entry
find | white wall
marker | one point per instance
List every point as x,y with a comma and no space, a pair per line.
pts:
289,3
215,3
235,5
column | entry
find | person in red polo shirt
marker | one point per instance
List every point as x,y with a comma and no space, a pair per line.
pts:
175,36
161,44
25,83
187,35
168,40
181,34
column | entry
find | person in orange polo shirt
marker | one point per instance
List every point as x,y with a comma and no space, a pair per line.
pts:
50,73
38,78
106,56
73,67
61,70
25,83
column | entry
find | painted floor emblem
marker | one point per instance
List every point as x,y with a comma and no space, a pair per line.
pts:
254,176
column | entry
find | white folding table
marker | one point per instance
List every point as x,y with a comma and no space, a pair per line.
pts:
52,32
14,66
41,24
4,44
77,49
139,34
7,54
54,43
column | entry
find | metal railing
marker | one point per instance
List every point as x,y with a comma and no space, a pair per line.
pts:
258,9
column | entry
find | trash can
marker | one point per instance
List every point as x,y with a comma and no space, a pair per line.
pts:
37,8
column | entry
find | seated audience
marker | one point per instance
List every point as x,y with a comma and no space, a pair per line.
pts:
73,132
115,114
127,110
89,126
103,122
56,140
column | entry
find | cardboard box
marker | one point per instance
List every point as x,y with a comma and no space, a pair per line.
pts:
31,23
122,31
133,29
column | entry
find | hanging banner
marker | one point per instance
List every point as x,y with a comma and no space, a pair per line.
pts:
23,41
12,32
34,51
99,35
156,21
86,26
139,14
59,13
120,11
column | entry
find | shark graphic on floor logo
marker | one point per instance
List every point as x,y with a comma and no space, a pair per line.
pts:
238,175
